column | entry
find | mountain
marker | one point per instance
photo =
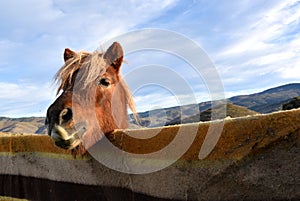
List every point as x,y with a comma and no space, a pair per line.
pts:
264,102
23,125
269,100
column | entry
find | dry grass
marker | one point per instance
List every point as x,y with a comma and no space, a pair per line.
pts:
3,198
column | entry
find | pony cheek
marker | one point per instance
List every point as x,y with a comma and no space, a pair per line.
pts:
91,137
103,96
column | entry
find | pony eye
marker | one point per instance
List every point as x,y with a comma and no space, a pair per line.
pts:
104,82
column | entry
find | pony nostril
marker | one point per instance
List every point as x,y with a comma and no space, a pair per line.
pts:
65,115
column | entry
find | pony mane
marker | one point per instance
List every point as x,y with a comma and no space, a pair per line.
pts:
129,98
91,66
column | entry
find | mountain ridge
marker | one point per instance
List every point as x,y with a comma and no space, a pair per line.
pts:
261,101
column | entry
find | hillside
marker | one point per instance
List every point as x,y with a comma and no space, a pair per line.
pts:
231,111
23,125
269,100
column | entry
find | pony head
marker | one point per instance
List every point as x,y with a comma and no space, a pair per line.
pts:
93,99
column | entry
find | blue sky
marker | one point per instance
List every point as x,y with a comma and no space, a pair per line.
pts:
253,44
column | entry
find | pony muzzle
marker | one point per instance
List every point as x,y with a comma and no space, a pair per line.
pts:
64,139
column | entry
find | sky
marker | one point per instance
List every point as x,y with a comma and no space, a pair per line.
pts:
254,45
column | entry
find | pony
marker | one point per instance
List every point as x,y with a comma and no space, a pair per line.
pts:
93,100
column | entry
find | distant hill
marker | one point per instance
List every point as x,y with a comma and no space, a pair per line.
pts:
161,117
264,102
231,111
23,125
269,100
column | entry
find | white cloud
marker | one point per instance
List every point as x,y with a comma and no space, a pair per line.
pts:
291,71
264,49
258,35
272,58
25,99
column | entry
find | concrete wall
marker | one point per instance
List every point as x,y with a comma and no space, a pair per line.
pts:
255,158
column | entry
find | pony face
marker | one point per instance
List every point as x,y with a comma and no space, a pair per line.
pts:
93,101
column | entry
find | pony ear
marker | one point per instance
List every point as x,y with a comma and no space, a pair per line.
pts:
68,54
114,56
